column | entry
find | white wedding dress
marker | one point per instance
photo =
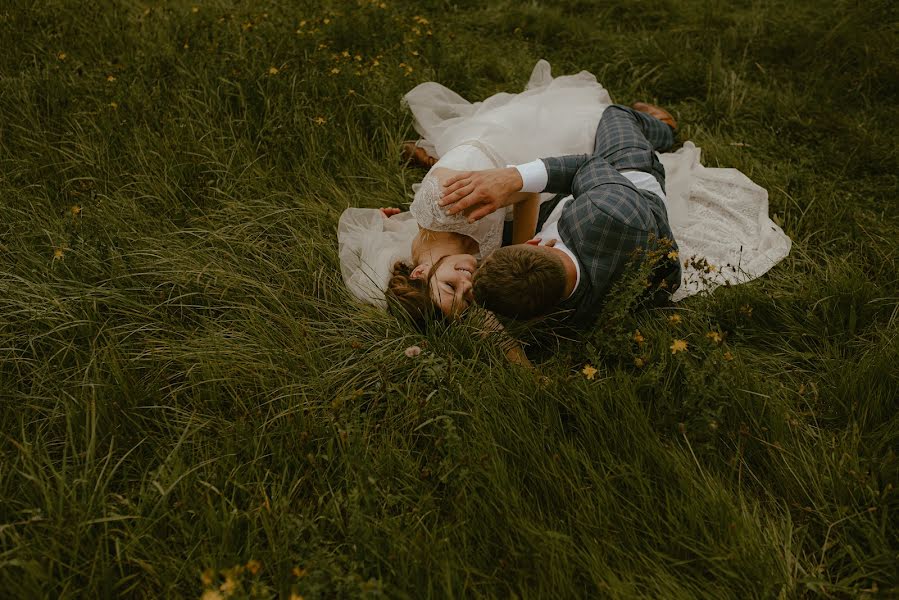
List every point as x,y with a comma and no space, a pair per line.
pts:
718,215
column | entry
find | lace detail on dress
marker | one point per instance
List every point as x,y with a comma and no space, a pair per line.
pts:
489,152
720,221
487,232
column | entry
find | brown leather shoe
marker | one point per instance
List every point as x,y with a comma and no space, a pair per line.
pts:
655,111
417,156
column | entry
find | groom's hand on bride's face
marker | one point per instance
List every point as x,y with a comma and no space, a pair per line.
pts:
479,193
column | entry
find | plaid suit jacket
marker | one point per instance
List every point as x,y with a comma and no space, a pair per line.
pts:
609,218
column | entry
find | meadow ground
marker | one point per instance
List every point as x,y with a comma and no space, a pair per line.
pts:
190,402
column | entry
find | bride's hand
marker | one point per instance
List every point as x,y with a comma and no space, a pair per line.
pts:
536,241
483,192
511,347
389,211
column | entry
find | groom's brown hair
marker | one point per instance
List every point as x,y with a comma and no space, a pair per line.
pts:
520,281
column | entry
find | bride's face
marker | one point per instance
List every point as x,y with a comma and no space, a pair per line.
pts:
450,282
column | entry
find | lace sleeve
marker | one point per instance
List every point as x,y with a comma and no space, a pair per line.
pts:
487,232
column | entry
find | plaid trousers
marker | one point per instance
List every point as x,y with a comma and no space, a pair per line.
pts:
609,218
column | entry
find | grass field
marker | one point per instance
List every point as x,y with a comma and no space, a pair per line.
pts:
191,403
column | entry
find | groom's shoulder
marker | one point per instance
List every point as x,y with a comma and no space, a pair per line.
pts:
610,213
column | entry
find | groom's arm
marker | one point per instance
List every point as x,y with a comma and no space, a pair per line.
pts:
483,192
560,172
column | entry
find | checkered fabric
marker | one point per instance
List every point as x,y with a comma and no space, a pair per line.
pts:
609,218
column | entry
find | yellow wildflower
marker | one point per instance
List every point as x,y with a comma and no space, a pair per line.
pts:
714,336
254,566
295,596
746,310
76,210
728,356
678,346
207,576
638,337
298,572
673,255
211,595
302,23
415,53
674,319
335,71
110,78
639,362
58,253
382,5
61,55
589,372
247,26
319,120
326,21
229,586
357,57
345,54
195,9
114,105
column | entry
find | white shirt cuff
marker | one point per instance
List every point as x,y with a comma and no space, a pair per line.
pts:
534,176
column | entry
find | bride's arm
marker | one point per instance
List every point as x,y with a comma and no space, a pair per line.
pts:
511,347
515,354
524,218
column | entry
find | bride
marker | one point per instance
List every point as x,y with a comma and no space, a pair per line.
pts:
424,259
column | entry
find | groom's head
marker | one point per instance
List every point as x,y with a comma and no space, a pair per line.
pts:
522,281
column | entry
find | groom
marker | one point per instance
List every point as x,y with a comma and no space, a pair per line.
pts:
609,211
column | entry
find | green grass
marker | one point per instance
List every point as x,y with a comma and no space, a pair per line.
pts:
187,387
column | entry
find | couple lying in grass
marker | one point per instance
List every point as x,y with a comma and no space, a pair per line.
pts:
553,234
